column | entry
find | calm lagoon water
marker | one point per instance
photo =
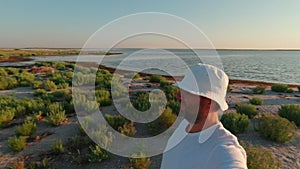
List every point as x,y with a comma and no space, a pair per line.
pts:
255,65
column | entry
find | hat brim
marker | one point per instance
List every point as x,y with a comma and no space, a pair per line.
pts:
221,101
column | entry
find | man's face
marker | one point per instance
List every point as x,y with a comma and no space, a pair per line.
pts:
189,105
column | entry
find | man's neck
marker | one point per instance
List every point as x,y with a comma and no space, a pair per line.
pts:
204,123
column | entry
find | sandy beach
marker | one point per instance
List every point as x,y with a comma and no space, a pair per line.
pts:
240,92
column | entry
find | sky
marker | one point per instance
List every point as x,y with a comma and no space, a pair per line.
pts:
230,24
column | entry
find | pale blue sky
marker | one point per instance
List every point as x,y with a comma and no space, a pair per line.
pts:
229,24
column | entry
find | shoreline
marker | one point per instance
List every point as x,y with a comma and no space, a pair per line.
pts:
169,78
231,81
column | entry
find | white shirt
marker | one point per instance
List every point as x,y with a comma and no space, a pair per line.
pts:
212,148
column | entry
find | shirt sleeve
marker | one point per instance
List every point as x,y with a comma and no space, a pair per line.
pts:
229,157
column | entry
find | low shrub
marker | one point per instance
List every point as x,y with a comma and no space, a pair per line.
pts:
6,115
235,123
141,102
12,71
247,109
3,72
164,83
60,93
26,78
256,101
49,85
69,74
259,157
128,129
63,85
60,66
116,121
276,128
142,162
57,146
37,84
16,144
8,83
40,92
299,88
56,114
156,78
103,97
26,129
289,91
259,90
97,154
290,112
167,117
279,87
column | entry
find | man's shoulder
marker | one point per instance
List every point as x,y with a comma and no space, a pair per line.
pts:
227,150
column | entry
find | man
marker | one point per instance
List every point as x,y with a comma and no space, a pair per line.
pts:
201,141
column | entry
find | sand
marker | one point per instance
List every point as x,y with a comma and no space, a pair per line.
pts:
288,154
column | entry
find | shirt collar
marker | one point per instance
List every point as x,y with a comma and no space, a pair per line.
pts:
206,133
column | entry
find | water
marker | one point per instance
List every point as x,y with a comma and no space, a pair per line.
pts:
266,66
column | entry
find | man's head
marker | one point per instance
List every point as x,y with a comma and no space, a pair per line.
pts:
203,90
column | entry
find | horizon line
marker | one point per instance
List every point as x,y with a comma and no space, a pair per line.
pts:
262,49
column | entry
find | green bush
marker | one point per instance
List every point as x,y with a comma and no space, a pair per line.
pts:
3,72
60,66
290,112
256,101
128,129
235,123
37,84
60,93
97,154
156,78
259,90
40,92
57,146
164,83
63,85
141,102
276,128
299,88
17,144
26,78
103,79
26,129
259,157
142,162
289,91
6,115
3,83
69,74
12,71
167,117
8,83
116,121
279,87
49,85
56,114
247,109
103,97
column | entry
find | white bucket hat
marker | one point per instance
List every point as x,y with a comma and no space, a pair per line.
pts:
207,81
